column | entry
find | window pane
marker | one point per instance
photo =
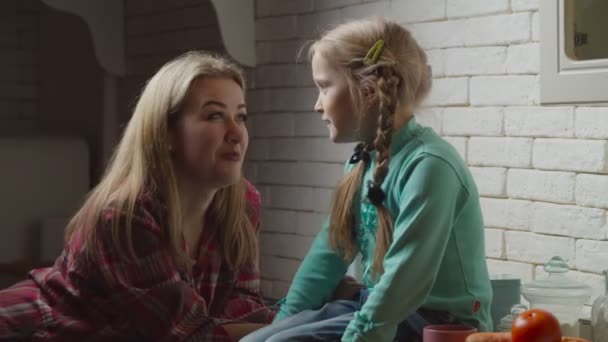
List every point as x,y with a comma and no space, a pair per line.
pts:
586,26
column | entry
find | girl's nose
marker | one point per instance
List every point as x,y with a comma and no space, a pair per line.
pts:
319,105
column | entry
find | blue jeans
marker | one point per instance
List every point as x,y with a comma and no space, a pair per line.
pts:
330,322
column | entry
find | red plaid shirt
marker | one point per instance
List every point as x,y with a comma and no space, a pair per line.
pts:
148,299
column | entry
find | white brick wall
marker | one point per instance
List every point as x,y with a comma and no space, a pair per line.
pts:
272,125
469,8
266,28
535,27
569,220
498,151
311,25
309,223
280,51
475,61
490,180
590,123
495,243
431,117
381,8
460,144
280,75
285,245
591,190
299,197
536,248
551,186
281,7
480,31
449,91
507,213
503,90
436,60
571,155
524,5
591,256
322,5
301,173
542,172
471,121
523,59
309,125
277,220
539,121
417,11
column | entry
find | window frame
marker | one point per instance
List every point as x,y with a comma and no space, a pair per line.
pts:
563,80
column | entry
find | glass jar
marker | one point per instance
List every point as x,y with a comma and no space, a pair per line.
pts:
505,322
558,294
599,314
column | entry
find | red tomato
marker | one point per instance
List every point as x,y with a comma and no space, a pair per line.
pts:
536,325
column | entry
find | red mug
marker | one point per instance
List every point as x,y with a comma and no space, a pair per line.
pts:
447,332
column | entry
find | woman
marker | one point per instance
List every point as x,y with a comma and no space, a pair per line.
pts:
164,247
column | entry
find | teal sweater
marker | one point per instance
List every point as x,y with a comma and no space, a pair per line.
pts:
437,256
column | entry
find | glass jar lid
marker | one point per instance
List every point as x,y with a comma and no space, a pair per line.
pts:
557,287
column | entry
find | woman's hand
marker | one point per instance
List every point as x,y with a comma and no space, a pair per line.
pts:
347,289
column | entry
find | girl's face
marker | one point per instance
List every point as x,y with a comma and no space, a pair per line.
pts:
334,102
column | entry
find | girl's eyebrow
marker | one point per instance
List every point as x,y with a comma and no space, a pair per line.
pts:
321,80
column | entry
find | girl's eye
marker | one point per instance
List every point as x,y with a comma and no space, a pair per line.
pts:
243,117
324,85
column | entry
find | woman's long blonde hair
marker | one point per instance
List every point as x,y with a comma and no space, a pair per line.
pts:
142,163
400,78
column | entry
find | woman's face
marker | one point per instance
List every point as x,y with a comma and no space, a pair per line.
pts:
209,139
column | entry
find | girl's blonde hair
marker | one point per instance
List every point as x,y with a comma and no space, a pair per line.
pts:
399,78
142,163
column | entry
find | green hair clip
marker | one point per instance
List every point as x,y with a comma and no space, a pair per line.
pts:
374,53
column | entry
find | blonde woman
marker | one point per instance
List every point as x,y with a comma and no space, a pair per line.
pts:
164,247
407,203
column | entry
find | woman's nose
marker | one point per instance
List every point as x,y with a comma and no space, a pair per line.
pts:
234,132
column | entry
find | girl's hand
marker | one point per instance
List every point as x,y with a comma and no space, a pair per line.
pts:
347,289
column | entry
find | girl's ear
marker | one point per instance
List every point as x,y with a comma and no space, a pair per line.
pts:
370,88
369,92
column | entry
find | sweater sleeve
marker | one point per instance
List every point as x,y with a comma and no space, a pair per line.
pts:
316,279
427,208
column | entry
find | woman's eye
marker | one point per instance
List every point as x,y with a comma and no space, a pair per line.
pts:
215,115
243,117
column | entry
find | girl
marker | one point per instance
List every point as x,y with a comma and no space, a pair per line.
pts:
407,203
164,247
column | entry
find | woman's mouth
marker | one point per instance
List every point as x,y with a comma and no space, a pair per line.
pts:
232,156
